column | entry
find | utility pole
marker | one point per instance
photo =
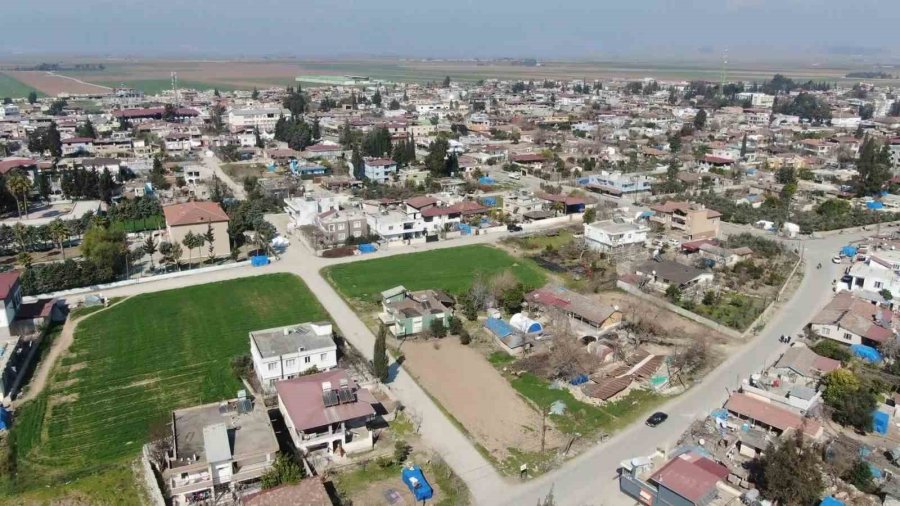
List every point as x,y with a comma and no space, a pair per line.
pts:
175,87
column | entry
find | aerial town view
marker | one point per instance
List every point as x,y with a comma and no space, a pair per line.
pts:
339,253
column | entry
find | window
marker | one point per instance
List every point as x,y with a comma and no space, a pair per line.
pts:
878,284
306,360
340,226
357,224
323,357
273,366
848,336
290,362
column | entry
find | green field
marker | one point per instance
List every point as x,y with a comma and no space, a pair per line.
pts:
13,88
134,363
156,86
448,269
139,225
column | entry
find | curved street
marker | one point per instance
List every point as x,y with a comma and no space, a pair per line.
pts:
589,479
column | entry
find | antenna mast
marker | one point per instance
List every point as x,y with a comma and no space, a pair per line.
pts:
724,63
175,87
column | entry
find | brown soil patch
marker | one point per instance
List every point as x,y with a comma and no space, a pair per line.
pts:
53,85
477,396
77,367
675,326
60,399
65,384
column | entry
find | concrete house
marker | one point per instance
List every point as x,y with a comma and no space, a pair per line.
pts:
379,170
615,235
693,220
849,320
407,313
197,217
327,411
338,225
285,352
665,273
218,447
688,479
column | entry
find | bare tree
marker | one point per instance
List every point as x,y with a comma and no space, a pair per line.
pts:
161,444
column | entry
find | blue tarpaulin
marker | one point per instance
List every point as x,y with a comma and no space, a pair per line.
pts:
874,204
867,353
489,201
498,327
880,422
366,248
579,380
4,418
418,485
831,501
875,471
259,260
849,251
465,229
486,180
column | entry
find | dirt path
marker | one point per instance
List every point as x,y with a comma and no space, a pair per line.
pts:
60,345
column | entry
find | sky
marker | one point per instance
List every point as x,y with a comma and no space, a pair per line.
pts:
544,29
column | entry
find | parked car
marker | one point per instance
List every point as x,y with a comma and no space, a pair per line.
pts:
514,227
837,259
657,418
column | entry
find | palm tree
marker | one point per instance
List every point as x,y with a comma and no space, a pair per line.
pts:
149,247
59,232
19,185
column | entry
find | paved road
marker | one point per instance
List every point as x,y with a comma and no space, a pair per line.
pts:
589,478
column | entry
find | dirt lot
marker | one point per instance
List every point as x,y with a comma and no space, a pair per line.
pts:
470,389
52,84
633,308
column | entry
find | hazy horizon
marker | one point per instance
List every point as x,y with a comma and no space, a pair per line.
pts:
749,30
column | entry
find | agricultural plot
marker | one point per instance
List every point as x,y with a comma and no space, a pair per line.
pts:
448,269
13,88
135,362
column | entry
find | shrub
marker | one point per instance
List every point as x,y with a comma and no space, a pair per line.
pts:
456,326
464,337
53,277
437,328
401,451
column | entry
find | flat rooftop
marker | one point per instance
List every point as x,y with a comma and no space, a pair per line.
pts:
289,339
248,433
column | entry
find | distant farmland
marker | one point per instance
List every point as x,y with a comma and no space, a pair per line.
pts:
13,88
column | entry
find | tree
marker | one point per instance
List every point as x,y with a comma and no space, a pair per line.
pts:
87,130
873,167
852,399
104,246
217,118
171,253
789,473
376,99
255,94
394,105
401,451
150,248
512,298
590,215
258,141
437,152
446,83
744,146
674,143
210,238
190,241
284,471
56,107
32,97
105,186
860,476
673,293
437,328
43,181
59,233
316,132
216,93
380,358
295,101
469,308
359,167
886,294
700,120
19,186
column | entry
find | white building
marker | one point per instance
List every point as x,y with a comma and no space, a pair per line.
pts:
878,272
615,234
286,352
396,227
261,118
379,169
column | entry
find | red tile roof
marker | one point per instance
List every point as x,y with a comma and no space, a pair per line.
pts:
302,400
528,158
379,162
8,281
192,213
691,476
78,140
717,160
15,163
771,415
153,112
420,202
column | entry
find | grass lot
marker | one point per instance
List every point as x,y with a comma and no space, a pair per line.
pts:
448,269
13,88
141,224
451,490
734,310
583,418
132,364
116,485
78,312
238,171
541,241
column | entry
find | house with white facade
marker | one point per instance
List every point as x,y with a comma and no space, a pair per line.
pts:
615,235
261,118
880,271
327,411
616,183
379,170
849,320
285,352
395,224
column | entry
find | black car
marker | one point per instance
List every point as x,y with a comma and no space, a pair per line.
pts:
514,227
657,418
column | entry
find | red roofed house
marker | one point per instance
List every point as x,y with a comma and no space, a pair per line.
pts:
77,145
687,479
327,411
28,166
849,320
197,217
570,203
769,416
695,220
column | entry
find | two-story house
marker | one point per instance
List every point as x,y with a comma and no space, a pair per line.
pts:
379,170
694,220
338,225
395,226
216,446
285,352
407,313
615,235
880,271
327,410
